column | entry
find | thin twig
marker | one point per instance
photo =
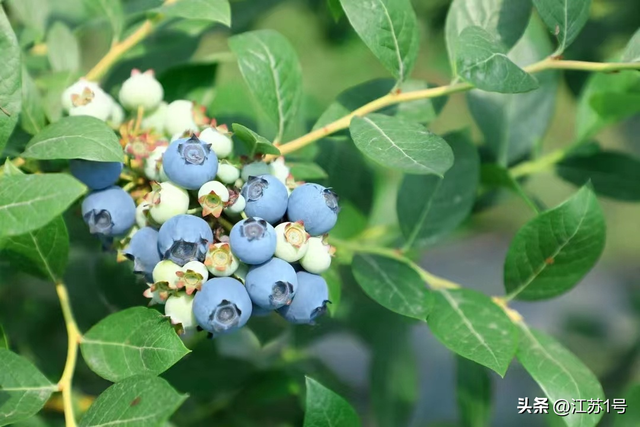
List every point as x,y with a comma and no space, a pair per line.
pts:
119,49
400,97
74,337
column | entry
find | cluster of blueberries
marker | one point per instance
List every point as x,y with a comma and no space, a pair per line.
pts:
258,234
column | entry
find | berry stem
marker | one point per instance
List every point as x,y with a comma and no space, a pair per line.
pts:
225,223
139,117
74,337
544,162
400,97
119,49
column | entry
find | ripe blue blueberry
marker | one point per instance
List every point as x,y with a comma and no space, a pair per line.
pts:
222,306
190,163
266,198
314,205
184,238
109,212
143,251
95,175
272,284
253,240
310,301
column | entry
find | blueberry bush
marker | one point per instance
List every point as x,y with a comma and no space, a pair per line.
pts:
170,247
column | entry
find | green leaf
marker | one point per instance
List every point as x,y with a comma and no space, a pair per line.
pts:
63,49
336,9
632,400
504,19
76,137
551,253
10,169
398,144
614,107
34,14
473,393
136,341
564,18
324,408
270,67
612,174
254,143
210,10
559,373
389,28
10,76
56,83
350,175
483,62
28,202
23,389
421,111
470,324
4,342
43,252
632,51
306,171
510,130
605,89
189,81
355,97
139,401
112,11
393,284
429,206
32,117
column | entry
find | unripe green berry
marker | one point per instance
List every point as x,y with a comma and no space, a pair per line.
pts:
142,210
220,260
280,170
292,241
155,121
166,201
191,277
212,196
180,309
228,173
153,165
317,260
165,271
220,143
141,90
238,207
179,118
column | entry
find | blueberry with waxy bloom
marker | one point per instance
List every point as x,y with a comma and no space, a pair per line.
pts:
222,306
189,163
184,238
314,205
109,212
95,175
310,301
253,240
266,197
143,251
272,284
